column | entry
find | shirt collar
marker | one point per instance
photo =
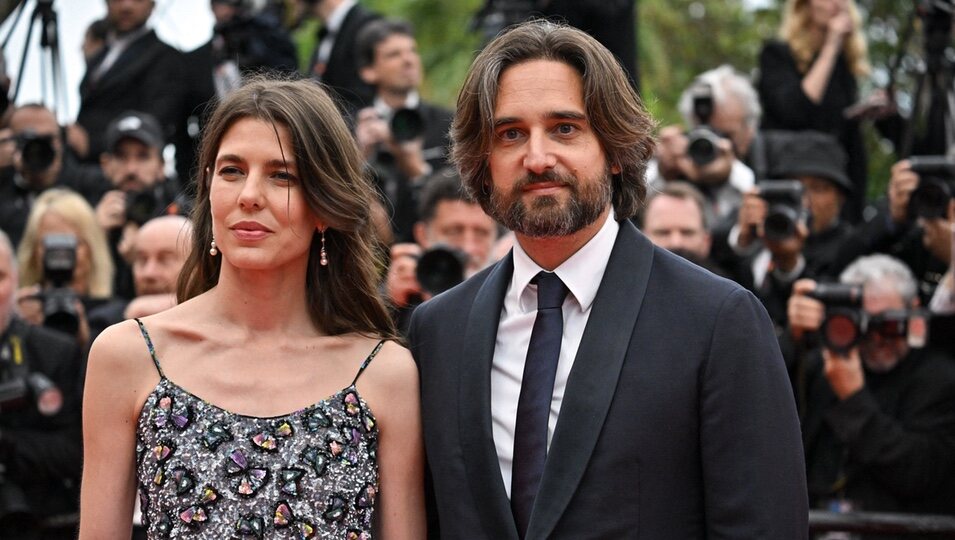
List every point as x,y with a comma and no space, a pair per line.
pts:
337,16
581,273
386,112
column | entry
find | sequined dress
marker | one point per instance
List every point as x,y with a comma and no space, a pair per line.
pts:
204,472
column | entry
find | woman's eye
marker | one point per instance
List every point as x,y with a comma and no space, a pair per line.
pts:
229,171
284,176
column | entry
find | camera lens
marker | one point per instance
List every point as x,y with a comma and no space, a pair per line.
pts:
780,223
141,206
37,152
840,332
440,268
406,124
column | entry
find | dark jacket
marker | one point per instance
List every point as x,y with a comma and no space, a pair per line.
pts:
146,77
341,71
677,420
43,454
893,442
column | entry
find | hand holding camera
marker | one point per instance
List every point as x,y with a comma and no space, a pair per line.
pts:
111,210
901,185
402,282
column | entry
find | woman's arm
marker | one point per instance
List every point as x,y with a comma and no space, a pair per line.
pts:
816,81
116,376
392,390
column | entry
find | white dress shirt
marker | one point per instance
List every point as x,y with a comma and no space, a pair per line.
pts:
582,274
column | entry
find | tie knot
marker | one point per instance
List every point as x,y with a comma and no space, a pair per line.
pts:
551,291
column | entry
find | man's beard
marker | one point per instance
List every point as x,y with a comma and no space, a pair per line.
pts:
547,216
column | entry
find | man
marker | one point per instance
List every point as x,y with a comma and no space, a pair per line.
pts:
335,62
675,219
135,71
159,250
39,162
134,166
653,397
726,103
879,426
40,443
403,137
449,220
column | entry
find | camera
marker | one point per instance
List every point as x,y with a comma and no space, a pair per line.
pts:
59,300
440,268
936,178
784,198
703,140
407,125
36,150
141,206
846,322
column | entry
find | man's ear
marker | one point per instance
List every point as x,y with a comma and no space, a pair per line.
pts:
951,210
420,233
615,169
369,75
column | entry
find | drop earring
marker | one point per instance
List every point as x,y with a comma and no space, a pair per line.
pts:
213,250
323,255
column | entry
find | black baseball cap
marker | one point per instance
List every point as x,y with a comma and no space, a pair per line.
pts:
134,125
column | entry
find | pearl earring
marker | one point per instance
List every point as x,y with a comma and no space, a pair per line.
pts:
323,255
213,250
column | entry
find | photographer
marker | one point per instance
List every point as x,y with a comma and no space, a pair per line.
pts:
134,166
40,389
39,161
792,228
401,135
454,240
721,111
879,418
65,265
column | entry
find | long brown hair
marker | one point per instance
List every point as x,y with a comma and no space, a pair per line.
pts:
614,110
343,296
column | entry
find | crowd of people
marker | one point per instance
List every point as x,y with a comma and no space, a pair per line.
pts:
374,200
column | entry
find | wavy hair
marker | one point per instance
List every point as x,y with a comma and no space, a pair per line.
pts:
73,208
796,31
343,296
613,108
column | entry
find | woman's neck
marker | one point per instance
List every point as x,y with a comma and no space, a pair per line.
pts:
273,300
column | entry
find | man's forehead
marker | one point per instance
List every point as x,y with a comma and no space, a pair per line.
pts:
33,118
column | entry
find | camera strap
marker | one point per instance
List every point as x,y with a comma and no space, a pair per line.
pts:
12,362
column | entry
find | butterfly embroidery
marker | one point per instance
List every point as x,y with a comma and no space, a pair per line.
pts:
316,458
366,497
355,534
316,419
215,435
335,509
250,525
285,518
182,480
246,481
264,440
167,412
351,403
288,481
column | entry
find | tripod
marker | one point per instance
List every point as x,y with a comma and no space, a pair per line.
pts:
51,68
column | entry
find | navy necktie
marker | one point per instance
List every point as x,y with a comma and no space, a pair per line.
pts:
537,390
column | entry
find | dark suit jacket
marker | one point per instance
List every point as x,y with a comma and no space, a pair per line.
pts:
341,72
147,77
678,420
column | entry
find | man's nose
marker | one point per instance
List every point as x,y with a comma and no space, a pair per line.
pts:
539,157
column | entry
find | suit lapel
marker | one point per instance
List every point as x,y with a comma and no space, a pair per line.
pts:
474,405
597,366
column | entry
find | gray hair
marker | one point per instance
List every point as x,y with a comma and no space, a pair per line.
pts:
872,268
727,83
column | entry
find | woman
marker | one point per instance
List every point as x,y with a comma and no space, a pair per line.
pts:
808,79
279,313
65,213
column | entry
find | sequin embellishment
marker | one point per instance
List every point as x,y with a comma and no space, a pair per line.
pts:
208,473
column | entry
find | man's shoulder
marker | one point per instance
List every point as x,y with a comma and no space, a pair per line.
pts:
43,340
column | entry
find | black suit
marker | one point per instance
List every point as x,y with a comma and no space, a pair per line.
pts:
340,73
146,77
677,420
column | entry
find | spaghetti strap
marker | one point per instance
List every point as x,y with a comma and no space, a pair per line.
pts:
152,350
363,364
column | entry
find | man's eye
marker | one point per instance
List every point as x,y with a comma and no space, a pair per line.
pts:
510,134
566,129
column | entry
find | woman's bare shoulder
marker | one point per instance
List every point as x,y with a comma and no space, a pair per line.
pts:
391,373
